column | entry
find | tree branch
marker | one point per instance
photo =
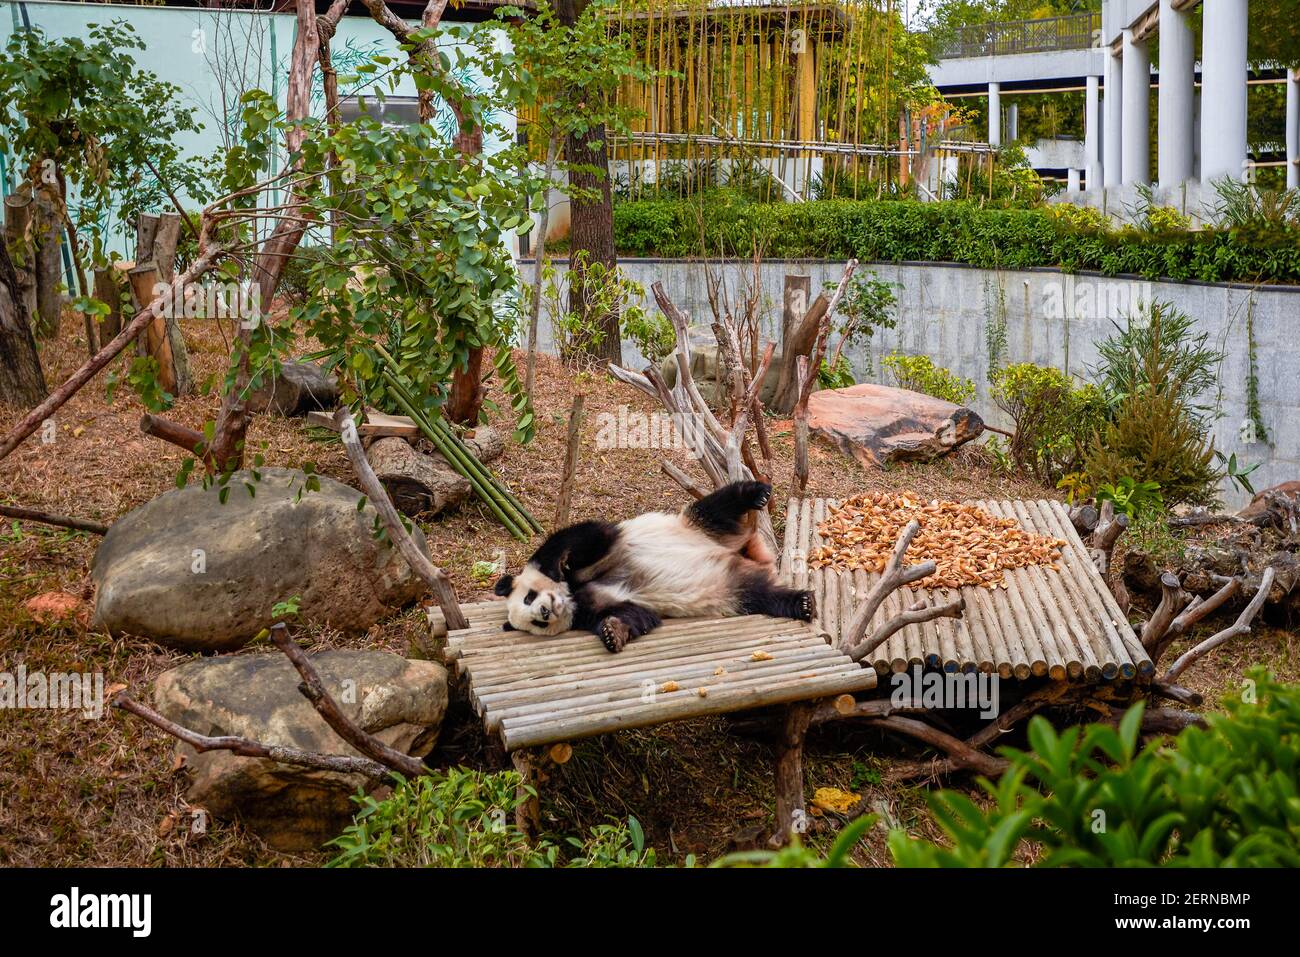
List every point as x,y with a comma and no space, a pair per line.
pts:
1238,628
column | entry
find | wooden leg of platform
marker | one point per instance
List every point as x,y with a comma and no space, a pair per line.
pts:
791,818
528,813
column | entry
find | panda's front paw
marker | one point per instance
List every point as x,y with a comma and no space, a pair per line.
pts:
807,606
614,634
755,494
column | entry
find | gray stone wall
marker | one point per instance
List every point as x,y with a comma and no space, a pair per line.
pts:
952,313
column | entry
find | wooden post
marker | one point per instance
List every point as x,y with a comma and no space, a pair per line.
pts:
795,302
570,463
47,231
167,235
528,812
109,292
146,229
791,818
143,280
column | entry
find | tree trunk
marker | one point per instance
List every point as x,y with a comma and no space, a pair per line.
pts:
591,222
22,383
467,391
591,231
18,237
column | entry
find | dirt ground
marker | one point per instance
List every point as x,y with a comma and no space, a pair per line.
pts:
105,792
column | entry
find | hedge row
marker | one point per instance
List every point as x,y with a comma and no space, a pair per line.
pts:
957,232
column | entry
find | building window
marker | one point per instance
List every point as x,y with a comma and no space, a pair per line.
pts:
390,111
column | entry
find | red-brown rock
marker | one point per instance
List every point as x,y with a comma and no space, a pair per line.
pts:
878,424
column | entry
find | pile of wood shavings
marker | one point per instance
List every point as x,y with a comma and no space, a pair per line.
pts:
968,545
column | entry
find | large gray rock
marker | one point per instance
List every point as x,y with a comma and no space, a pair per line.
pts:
192,573
300,387
878,424
400,702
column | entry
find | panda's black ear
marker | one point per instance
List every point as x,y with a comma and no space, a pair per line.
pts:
504,584
506,626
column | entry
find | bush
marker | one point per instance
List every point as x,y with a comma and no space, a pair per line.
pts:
465,818
920,374
1054,419
1160,328
1158,433
1225,796
954,231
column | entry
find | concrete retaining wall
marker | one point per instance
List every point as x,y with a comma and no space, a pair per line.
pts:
952,313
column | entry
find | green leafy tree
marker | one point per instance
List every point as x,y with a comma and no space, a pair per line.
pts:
83,118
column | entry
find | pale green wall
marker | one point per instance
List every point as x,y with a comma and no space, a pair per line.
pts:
190,48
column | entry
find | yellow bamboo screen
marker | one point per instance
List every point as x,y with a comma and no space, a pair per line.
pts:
744,80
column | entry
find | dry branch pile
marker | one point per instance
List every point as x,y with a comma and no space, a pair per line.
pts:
968,545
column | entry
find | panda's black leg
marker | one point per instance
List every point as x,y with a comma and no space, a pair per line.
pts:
776,601
621,623
721,513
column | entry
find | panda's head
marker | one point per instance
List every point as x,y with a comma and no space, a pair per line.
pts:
536,603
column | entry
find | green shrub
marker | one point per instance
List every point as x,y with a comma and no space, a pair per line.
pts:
1153,438
1054,419
1160,329
920,374
1157,433
838,376
1224,796
953,231
1133,498
579,333
465,818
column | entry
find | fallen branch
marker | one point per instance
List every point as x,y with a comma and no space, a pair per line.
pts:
248,748
961,754
1199,608
56,399
50,518
682,479
313,689
432,575
1238,628
854,641
1172,601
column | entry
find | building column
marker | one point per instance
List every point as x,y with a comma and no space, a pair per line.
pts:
1223,90
1136,161
1091,133
995,114
1112,117
1293,130
1177,96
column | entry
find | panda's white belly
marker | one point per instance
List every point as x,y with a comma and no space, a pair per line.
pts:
664,563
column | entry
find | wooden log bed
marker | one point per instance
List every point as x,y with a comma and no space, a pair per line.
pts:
538,694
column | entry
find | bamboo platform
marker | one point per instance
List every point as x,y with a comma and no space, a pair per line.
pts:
535,691
1045,622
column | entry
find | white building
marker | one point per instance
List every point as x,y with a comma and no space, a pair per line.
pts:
1201,105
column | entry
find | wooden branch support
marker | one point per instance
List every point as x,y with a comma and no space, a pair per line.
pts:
800,480
791,817
960,753
245,747
433,576
1198,609
1172,600
571,451
528,809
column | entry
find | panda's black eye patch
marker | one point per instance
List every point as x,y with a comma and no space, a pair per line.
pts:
528,599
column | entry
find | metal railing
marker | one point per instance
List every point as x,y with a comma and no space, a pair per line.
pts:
1074,32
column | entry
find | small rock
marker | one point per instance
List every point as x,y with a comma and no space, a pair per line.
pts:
192,573
878,424
401,702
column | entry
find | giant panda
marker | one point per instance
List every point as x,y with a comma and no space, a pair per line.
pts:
619,579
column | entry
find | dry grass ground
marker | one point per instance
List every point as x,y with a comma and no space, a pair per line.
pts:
105,792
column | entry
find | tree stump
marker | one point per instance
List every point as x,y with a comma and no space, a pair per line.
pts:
417,483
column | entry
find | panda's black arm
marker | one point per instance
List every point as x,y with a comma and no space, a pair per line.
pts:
574,548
